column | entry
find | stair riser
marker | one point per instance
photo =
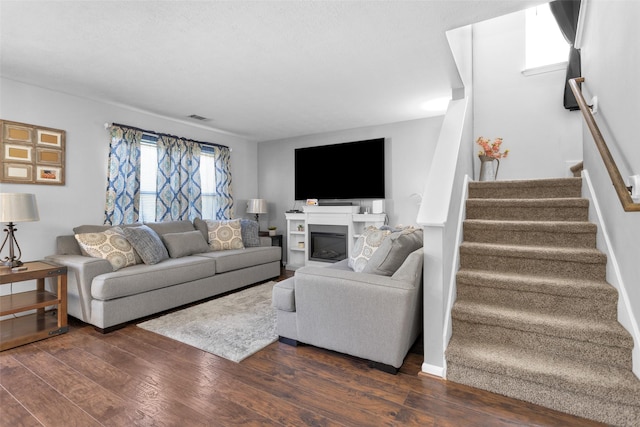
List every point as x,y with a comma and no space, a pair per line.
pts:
486,192
533,266
527,213
570,402
531,238
588,308
558,346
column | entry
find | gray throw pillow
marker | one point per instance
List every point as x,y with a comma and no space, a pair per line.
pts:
147,244
183,244
201,225
250,233
393,251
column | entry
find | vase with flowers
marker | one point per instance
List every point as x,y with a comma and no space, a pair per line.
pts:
489,153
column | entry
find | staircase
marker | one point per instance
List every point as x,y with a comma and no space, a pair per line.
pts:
534,317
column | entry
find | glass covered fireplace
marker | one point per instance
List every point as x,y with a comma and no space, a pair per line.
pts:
328,242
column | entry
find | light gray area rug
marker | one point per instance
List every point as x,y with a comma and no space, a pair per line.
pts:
234,326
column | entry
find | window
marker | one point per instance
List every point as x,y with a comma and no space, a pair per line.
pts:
149,168
544,43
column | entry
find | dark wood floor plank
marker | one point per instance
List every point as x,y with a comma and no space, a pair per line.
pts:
45,403
226,385
185,388
12,413
90,396
322,403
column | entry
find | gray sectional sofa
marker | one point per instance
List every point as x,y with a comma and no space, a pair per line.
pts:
370,309
108,299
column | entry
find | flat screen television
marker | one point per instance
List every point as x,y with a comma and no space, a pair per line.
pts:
351,170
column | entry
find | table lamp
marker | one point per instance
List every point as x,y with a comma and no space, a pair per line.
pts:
16,207
257,206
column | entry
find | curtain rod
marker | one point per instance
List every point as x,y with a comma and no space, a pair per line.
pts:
158,134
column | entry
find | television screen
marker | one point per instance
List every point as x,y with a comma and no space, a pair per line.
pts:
352,170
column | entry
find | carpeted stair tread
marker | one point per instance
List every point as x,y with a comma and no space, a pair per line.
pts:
560,286
604,332
540,209
582,255
546,226
531,233
555,187
599,380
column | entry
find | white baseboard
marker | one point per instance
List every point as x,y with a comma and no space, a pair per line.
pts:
437,371
614,277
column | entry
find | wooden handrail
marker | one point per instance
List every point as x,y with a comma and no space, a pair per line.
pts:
614,173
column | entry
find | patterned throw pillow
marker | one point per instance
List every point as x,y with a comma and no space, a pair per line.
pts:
111,245
146,243
250,233
225,235
368,242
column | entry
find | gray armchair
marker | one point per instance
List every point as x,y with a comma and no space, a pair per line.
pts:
371,316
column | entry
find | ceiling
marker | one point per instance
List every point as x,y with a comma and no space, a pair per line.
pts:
262,70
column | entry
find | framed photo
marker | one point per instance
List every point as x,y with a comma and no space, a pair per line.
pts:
19,153
48,174
17,172
47,137
31,154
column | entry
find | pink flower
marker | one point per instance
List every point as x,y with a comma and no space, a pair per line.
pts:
491,149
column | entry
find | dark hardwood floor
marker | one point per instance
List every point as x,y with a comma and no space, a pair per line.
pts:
135,377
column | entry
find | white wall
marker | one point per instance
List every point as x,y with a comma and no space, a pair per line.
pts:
409,148
610,63
526,111
81,200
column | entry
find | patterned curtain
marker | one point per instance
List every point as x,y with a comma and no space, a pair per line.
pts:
178,179
123,180
224,205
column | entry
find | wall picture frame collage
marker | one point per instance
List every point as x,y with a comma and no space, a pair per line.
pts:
32,154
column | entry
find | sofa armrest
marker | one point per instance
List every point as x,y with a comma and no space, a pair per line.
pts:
81,271
265,241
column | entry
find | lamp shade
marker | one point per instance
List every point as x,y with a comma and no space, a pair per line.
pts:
18,207
257,206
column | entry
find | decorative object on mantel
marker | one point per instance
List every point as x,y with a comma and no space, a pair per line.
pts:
16,207
257,206
31,154
272,230
490,152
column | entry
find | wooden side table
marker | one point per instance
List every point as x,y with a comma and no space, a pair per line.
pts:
21,330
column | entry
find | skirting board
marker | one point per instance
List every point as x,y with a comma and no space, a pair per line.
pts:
614,277
437,371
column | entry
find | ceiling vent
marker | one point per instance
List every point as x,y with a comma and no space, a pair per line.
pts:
197,117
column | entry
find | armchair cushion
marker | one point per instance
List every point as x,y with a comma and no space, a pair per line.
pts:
393,251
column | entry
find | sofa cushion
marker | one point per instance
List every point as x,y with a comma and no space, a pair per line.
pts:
185,243
143,278
236,259
170,226
146,243
250,231
225,235
283,295
393,250
201,225
110,244
365,246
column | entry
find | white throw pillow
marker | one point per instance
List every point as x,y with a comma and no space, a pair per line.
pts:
366,245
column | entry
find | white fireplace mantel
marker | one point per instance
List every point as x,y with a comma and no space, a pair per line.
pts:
298,229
